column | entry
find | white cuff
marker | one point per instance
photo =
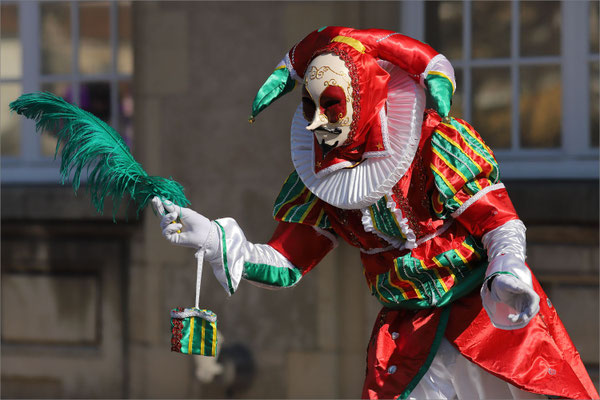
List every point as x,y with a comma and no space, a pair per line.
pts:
506,239
226,257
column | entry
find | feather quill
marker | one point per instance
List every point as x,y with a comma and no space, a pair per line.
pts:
91,145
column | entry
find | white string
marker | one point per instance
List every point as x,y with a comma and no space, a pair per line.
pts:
200,258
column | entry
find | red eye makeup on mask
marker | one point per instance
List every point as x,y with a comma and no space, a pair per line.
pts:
333,103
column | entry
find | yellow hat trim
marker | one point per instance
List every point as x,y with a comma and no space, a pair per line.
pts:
357,45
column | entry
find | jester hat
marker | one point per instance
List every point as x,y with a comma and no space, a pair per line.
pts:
361,50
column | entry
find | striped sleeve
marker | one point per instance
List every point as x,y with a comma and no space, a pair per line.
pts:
297,204
467,180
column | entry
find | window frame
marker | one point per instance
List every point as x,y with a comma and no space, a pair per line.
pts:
31,166
575,158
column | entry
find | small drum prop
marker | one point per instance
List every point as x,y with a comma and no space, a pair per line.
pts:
194,330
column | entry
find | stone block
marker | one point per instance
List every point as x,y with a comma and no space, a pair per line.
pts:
372,308
352,374
15,387
577,307
49,309
351,312
312,375
328,302
165,47
167,374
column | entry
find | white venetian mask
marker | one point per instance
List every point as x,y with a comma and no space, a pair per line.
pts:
327,100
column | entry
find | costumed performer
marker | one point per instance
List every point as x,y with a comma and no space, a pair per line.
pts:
419,193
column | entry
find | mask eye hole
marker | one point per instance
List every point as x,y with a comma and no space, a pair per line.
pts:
333,103
308,106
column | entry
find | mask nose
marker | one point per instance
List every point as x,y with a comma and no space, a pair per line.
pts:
318,120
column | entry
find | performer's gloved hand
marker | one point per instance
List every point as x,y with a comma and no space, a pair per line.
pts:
507,295
185,227
515,294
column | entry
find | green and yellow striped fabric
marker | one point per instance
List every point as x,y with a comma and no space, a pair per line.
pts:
296,203
416,283
384,220
462,165
194,334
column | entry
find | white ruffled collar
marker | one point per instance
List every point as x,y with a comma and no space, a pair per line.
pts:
363,185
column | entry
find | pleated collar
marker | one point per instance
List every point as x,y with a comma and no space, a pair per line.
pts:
354,187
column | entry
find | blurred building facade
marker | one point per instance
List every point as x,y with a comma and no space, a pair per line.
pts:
85,302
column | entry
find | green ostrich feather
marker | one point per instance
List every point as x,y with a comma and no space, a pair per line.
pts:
89,144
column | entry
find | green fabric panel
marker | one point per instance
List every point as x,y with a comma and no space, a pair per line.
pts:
197,338
383,220
479,148
271,275
185,339
437,340
292,187
224,251
440,91
277,84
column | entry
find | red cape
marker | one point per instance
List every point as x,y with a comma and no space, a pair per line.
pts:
539,358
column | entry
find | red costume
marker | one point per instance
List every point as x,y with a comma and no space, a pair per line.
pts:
420,195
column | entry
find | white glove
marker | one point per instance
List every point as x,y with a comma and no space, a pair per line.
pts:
507,293
515,302
183,226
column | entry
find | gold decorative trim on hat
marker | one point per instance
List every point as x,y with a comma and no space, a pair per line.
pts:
356,44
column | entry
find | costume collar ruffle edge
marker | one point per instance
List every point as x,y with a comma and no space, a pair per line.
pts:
367,182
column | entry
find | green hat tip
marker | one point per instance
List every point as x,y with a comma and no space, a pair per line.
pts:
277,84
440,89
